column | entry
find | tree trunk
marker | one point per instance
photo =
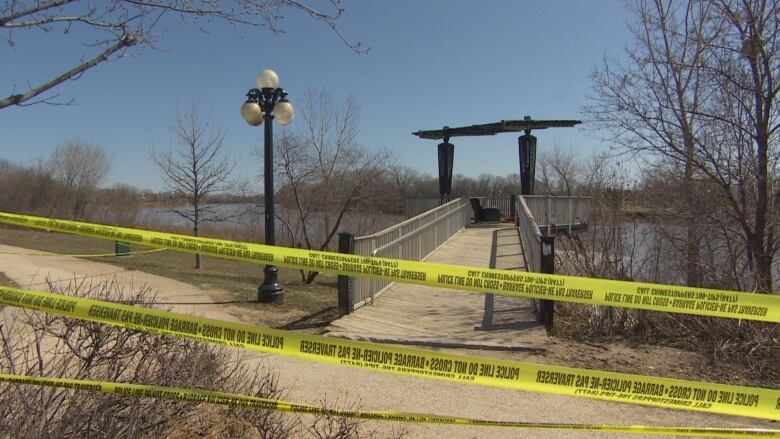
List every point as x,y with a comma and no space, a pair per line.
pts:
692,255
763,272
693,238
195,233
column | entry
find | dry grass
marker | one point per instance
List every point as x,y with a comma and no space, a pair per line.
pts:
317,299
739,351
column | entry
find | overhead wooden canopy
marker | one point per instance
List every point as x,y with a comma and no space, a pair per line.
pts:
505,126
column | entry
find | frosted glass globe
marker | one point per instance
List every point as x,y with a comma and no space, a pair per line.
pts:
283,112
252,113
267,79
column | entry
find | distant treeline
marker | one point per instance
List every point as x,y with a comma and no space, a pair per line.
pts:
67,185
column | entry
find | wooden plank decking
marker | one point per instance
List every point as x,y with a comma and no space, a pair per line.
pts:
413,314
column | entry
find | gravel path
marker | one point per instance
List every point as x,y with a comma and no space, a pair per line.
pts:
313,383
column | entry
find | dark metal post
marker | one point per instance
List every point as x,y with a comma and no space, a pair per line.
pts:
547,307
271,290
346,293
513,207
527,150
446,158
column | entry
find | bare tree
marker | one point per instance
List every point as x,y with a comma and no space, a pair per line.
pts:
744,114
700,89
639,245
80,167
402,179
484,185
117,205
649,103
108,30
195,167
29,189
559,170
325,171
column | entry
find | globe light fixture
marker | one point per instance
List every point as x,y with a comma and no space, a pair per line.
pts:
252,113
262,106
267,79
283,112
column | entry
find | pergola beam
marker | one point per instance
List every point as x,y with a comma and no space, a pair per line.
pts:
505,126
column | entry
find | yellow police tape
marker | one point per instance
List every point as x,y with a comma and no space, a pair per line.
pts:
655,297
252,402
93,255
610,386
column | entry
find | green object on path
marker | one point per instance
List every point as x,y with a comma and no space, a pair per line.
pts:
122,248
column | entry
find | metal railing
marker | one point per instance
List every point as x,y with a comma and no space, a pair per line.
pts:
530,235
503,204
413,239
417,237
416,206
554,213
561,212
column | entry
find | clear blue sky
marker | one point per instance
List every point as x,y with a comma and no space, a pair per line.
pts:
432,63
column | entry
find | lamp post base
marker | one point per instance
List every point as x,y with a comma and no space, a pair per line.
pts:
271,290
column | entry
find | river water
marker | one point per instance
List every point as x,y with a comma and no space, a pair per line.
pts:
246,216
648,252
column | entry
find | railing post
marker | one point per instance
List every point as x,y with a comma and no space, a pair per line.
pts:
571,213
547,307
346,292
418,256
549,213
400,246
513,207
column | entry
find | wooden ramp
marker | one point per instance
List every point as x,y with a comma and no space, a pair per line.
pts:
413,314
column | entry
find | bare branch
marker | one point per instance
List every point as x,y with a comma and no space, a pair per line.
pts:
16,99
121,24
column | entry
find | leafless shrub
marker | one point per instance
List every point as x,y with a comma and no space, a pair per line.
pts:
754,346
48,345
29,189
631,250
635,234
40,344
79,167
330,426
118,205
335,427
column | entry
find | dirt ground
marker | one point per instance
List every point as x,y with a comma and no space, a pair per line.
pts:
315,383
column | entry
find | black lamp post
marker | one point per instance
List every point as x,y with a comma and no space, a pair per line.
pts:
262,105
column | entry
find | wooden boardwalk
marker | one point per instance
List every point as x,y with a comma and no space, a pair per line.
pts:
413,314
